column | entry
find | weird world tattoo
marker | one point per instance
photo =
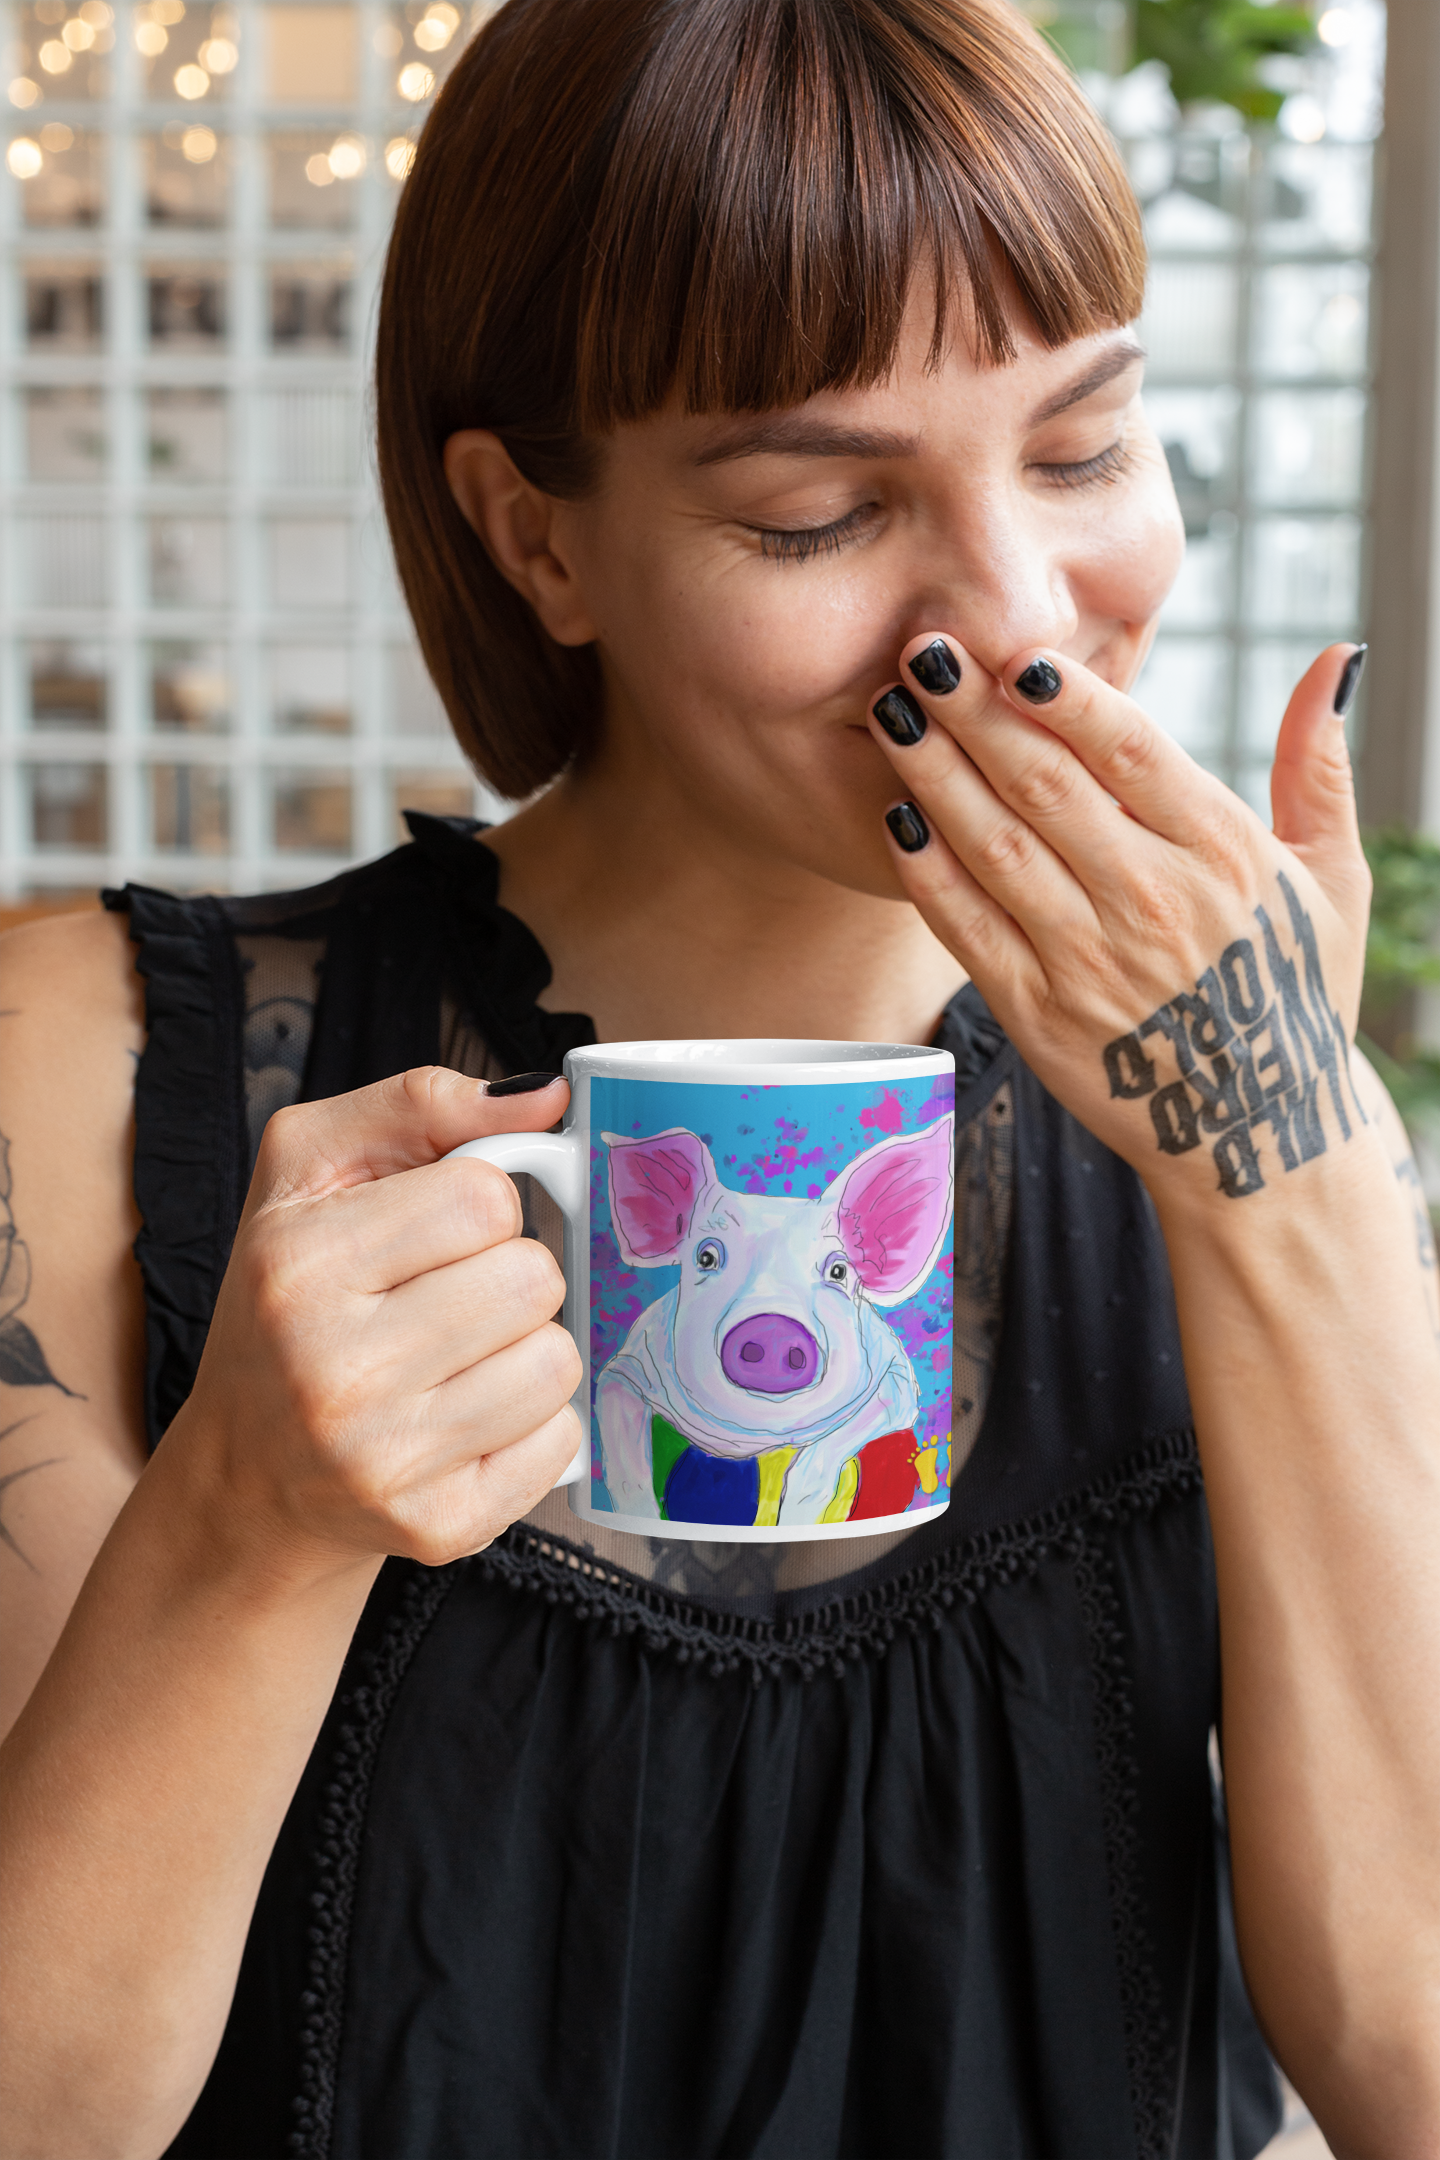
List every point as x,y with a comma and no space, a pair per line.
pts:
1261,1051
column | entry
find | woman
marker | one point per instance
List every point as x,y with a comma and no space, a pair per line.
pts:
762,447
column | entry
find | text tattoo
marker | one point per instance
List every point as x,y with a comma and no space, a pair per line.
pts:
1262,1055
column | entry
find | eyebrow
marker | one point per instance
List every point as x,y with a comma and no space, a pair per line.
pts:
796,435
1114,362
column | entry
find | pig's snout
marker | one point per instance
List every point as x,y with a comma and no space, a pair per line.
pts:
770,1354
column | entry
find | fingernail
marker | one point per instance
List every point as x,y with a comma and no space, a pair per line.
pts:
1349,681
908,827
900,716
522,1084
936,669
1040,682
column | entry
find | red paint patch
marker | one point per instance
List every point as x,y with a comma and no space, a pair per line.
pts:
887,1477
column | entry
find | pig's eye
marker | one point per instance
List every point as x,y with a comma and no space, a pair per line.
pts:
710,1255
837,1271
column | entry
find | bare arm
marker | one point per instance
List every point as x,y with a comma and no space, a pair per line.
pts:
381,1376
1311,1354
1187,982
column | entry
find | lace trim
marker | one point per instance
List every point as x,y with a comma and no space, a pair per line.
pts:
824,1639
342,1826
1149,2044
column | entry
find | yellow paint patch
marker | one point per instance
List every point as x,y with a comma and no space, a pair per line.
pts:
773,1467
845,1491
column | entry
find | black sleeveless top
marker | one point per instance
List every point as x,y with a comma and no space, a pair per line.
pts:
632,1849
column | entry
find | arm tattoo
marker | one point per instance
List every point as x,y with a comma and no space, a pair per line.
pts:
22,1361
13,1477
1260,1050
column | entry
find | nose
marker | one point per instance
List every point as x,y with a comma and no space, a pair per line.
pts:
1009,584
770,1355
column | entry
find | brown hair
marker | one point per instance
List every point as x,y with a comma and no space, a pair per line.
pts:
615,201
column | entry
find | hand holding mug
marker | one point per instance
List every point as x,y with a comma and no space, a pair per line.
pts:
384,1373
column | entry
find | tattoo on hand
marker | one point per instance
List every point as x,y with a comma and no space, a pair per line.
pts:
1260,1051
22,1361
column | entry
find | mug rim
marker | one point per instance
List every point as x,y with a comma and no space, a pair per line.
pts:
784,1061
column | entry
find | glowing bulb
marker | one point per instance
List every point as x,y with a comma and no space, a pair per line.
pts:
191,81
97,14
56,136
55,58
317,170
347,158
24,93
24,158
399,157
1335,27
431,35
413,82
219,55
78,35
150,39
198,145
168,11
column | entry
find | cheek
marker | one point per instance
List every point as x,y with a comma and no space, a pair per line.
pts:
1136,557
740,636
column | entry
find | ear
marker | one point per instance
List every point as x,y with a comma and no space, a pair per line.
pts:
893,1209
518,525
656,1185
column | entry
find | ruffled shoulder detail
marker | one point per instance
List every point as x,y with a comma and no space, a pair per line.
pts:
190,1145
500,966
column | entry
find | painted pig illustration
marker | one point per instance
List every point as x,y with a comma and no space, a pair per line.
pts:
766,1386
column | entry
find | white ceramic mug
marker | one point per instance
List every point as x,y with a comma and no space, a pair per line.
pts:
758,1277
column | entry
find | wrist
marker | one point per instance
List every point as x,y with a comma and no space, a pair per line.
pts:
222,1528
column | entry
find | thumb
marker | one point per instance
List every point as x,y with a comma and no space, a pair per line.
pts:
1312,788
397,1124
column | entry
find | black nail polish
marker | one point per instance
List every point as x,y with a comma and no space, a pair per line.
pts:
1040,682
522,1083
1349,681
936,669
908,827
900,716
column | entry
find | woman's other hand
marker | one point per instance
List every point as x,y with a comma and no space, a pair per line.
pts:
1185,981
384,1372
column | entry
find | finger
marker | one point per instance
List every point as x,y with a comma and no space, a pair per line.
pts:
440,1324
987,941
1026,764
1001,851
412,1118
1312,788
372,1238
1121,747
496,1402
498,1489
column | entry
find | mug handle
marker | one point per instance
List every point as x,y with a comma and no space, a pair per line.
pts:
560,1162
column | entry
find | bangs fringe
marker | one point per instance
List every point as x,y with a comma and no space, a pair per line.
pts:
782,172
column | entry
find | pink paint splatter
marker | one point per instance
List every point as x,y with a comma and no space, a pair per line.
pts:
888,1115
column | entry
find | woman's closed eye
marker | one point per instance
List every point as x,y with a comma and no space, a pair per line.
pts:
799,543
1102,470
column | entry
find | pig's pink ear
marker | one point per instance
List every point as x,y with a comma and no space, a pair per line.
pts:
655,1187
893,1209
